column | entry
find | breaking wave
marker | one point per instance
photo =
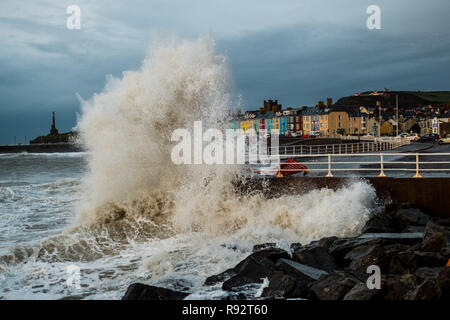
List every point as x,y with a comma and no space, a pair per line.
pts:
127,128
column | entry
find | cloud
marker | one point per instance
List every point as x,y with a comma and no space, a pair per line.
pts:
296,51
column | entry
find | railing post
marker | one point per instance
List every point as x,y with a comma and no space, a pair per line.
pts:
279,174
417,175
340,148
310,149
381,175
329,175
333,148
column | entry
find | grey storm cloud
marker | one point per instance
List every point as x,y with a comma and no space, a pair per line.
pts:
296,51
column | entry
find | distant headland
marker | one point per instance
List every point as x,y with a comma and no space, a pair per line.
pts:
51,143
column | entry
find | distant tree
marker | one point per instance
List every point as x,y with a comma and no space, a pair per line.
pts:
415,128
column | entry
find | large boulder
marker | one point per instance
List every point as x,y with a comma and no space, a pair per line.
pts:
363,256
300,271
430,259
361,292
380,223
433,242
139,291
270,253
251,271
443,282
433,228
427,290
339,248
317,257
396,287
333,286
407,216
403,262
285,285
424,273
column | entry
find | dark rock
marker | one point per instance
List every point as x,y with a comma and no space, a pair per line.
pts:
272,254
443,282
445,222
380,223
139,291
393,249
433,243
333,286
433,228
409,238
259,247
427,290
317,257
363,256
430,259
341,247
212,280
403,262
285,285
445,252
395,287
361,292
425,272
300,271
324,242
251,271
407,217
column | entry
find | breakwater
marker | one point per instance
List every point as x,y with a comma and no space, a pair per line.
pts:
41,148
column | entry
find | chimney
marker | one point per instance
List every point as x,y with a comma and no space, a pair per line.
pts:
329,102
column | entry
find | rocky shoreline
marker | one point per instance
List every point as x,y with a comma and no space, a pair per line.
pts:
410,248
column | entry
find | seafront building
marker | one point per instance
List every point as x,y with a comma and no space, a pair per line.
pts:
344,118
326,121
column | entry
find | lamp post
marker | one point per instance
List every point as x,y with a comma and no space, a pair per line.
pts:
396,116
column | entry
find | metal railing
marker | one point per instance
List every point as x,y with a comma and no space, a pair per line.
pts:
341,148
372,162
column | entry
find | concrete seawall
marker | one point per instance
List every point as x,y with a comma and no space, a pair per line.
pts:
431,195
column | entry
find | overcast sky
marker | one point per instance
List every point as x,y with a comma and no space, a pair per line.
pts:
297,51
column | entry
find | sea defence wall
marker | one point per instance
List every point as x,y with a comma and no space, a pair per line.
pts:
41,148
431,195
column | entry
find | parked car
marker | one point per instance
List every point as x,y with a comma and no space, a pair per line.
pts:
412,136
430,137
445,139
305,136
403,135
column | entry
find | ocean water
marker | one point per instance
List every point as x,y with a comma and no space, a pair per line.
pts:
41,236
123,212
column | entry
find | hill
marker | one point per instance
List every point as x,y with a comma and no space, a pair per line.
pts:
406,99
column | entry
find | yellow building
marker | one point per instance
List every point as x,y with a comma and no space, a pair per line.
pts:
386,128
276,125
